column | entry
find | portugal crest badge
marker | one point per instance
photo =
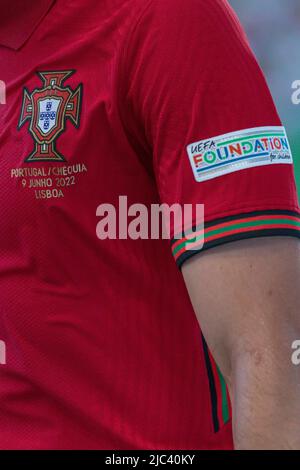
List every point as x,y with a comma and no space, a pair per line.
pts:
47,109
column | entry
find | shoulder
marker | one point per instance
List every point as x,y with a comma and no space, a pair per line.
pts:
171,14
173,7
196,21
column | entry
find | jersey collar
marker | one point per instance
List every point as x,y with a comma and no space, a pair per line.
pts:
18,23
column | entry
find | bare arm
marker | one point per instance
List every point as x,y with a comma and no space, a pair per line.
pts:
246,296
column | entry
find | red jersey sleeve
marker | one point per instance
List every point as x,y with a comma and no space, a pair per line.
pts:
199,104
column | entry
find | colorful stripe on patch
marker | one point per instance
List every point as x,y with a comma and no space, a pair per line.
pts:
220,405
239,150
237,227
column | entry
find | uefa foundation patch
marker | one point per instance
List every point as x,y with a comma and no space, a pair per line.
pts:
239,150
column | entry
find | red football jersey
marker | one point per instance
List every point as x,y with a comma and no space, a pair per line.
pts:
160,101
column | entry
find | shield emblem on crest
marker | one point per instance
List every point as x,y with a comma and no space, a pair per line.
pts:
48,109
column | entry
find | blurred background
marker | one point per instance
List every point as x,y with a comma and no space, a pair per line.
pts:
273,28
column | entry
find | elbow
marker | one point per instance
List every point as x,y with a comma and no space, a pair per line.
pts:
268,353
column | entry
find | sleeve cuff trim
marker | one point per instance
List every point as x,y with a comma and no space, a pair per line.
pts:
238,227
